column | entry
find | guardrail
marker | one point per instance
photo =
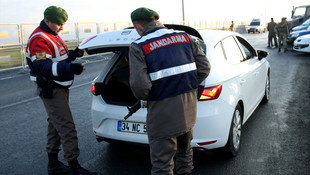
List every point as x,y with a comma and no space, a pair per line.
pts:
14,37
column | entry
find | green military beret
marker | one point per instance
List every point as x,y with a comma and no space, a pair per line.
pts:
144,13
56,14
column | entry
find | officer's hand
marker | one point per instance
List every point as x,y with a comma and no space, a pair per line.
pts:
78,52
77,68
143,103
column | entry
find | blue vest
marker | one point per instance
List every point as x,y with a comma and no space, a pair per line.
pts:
170,62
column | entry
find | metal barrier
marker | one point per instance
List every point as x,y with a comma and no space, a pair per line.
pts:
14,37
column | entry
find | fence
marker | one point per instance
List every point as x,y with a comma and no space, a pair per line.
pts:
14,37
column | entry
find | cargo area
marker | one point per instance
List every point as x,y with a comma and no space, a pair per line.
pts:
116,89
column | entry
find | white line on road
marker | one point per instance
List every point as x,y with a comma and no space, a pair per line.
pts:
37,97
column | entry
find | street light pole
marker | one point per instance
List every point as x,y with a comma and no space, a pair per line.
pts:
183,12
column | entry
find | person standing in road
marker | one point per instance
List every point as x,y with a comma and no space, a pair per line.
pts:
166,67
50,66
232,26
282,32
272,34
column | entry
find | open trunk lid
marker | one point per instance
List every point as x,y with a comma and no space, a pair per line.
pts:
113,84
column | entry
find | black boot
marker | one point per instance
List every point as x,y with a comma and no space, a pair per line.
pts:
285,50
279,50
76,169
55,167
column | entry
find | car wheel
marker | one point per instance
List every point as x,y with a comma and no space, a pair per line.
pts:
233,143
267,90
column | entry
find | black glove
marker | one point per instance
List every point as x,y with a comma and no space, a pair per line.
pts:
76,68
78,52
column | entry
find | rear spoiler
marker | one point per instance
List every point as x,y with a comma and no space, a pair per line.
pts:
186,29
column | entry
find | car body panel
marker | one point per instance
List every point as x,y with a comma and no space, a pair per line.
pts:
302,44
114,39
303,26
298,31
242,83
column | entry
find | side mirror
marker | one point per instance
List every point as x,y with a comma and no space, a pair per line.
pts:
262,54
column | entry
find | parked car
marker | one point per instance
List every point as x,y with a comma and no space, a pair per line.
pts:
256,26
302,44
298,31
237,83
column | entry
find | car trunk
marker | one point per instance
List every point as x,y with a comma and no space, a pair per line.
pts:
114,87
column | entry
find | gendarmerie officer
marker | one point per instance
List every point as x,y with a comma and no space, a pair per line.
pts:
166,67
50,63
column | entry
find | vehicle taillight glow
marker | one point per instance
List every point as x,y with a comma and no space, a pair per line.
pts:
210,93
206,143
93,89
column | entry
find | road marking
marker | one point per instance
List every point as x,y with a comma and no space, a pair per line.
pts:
37,97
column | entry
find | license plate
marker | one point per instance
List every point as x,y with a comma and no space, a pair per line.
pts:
132,127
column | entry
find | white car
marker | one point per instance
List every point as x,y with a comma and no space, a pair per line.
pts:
302,44
237,83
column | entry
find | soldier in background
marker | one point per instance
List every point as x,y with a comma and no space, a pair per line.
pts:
272,33
232,26
282,32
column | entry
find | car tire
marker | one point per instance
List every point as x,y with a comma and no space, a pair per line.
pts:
267,90
233,143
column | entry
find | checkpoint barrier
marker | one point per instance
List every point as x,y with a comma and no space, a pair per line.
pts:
14,37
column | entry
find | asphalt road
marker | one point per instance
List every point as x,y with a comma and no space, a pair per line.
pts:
275,140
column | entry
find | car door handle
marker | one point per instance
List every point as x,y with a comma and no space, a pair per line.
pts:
242,82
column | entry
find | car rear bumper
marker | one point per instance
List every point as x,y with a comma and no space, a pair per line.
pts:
211,129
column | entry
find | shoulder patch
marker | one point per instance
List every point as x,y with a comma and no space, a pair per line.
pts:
41,55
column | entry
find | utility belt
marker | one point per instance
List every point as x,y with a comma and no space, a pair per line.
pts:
47,86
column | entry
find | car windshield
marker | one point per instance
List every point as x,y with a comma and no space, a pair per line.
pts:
306,23
299,12
255,23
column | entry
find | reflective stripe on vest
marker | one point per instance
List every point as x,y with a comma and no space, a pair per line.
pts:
172,71
170,63
56,59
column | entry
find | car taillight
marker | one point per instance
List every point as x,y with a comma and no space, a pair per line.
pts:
96,88
210,93
93,89
206,143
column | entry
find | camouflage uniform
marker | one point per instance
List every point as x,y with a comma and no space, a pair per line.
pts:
282,32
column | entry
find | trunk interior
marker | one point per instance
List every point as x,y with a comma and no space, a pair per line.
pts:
116,88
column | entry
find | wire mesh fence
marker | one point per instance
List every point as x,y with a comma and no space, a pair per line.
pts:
14,37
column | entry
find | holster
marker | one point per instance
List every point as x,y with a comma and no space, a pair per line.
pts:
46,86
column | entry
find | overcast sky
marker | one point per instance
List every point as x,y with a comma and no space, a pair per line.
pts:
31,11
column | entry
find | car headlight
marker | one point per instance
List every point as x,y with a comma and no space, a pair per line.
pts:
294,35
308,28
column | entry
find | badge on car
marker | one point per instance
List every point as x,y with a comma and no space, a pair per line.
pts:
132,127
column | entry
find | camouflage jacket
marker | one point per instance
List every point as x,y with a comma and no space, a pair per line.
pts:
282,29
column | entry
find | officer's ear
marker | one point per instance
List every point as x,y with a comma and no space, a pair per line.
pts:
47,22
138,27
